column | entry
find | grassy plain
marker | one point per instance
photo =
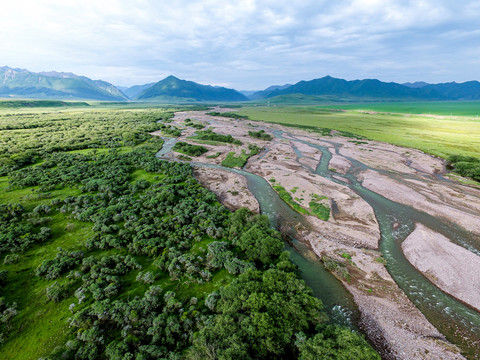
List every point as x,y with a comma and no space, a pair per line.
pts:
451,108
437,135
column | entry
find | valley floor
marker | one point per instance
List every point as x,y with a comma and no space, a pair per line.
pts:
362,199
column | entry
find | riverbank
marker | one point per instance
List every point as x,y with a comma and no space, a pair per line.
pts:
445,264
348,241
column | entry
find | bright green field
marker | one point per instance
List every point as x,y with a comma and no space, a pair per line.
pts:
455,108
440,136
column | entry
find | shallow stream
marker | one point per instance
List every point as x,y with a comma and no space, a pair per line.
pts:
459,323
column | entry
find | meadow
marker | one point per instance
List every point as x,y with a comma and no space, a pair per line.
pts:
449,108
440,135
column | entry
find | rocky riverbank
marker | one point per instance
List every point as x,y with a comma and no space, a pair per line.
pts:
348,241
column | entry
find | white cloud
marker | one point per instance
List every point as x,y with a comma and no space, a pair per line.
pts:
248,44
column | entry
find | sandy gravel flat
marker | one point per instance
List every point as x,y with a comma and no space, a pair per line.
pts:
339,164
230,188
436,199
406,176
452,268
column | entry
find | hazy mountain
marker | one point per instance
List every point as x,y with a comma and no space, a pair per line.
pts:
133,91
264,93
174,89
416,84
247,93
366,89
469,90
21,83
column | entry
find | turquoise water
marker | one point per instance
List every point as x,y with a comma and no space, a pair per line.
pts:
459,323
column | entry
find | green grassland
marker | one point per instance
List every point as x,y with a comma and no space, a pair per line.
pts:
441,136
449,108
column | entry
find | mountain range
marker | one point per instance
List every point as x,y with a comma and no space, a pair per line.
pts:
21,83
373,89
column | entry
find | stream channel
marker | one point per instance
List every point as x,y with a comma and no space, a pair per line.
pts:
459,323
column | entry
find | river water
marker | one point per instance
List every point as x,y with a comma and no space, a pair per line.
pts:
459,323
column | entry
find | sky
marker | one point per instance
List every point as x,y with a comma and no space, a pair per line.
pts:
244,44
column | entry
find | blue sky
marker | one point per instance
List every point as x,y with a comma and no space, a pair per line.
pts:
244,44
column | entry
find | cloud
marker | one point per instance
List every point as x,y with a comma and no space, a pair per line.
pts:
246,44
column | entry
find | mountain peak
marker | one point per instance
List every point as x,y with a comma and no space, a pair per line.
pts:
171,78
58,74
174,89
21,83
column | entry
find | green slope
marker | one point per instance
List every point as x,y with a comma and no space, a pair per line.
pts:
174,89
20,83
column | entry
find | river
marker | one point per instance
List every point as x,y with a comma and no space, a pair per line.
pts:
459,323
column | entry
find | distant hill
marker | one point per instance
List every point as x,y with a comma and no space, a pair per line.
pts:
264,93
372,90
133,91
172,88
247,93
469,90
416,84
21,83
299,99
359,89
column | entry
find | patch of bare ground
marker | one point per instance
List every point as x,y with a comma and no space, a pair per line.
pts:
390,157
347,242
230,188
450,267
456,203
388,317
339,163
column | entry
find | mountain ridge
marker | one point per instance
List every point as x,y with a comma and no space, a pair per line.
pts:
175,88
22,83
376,89
18,83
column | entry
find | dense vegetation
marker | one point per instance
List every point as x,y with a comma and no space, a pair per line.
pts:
285,196
230,114
189,149
261,134
40,103
320,207
111,253
210,135
27,138
170,130
232,160
195,125
468,166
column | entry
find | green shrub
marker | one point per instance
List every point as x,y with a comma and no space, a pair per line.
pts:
261,134
209,135
468,166
217,154
319,210
233,160
228,114
189,149
285,196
